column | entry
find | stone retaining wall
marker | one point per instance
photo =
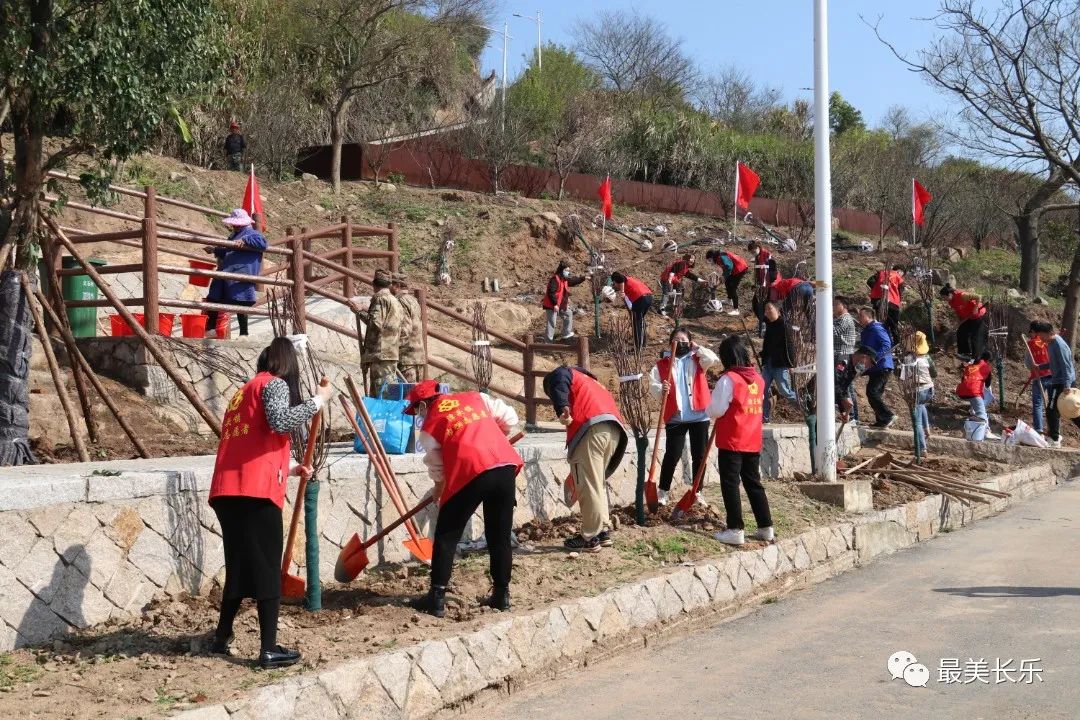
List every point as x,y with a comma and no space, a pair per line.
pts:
420,680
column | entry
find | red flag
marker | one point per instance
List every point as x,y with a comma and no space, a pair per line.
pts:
605,197
252,201
920,196
747,182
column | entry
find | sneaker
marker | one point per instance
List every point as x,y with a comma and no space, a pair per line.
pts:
766,533
733,313
605,538
568,336
992,436
1054,443
731,537
580,544
662,496
663,313
700,500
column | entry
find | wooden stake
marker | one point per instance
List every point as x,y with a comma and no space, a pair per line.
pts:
54,370
84,366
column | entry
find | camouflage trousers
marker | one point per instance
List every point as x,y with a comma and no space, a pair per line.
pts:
379,373
412,373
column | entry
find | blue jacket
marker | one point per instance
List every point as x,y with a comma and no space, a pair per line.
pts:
246,260
1062,369
876,337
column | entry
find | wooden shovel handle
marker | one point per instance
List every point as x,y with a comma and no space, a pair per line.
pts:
309,456
705,460
660,417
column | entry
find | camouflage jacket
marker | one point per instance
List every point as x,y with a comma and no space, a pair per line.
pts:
412,331
381,339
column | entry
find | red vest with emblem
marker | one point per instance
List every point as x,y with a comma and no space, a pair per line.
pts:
739,429
699,388
588,398
738,265
562,287
783,287
965,308
635,289
679,268
1041,355
471,440
893,280
252,460
761,260
974,380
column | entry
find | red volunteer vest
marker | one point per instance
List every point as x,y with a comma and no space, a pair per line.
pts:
974,380
470,438
892,280
680,268
699,389
762,260
738,265
588,399
964,308
560,293
1041,355
635,289
783,287
252,460
739,429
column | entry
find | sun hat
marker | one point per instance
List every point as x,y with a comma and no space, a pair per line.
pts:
238,218
1068,404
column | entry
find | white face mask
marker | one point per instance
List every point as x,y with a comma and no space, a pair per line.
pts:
566,273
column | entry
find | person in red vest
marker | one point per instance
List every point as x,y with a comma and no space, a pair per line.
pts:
671,279
684,412
886,294
974,380
971,312
789,291
247,493
734,269
1040,375
471,462
595,445
557,300
638,298
766,273
737,405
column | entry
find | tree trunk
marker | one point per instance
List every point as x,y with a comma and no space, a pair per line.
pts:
1072,301
1027,240
15,332
337,138
562,185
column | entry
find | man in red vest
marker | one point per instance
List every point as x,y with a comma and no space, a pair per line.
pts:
1039,364
971,312
765,274
671,279
557,300
734,269
638,298
471,463
886,294
595,445
737,405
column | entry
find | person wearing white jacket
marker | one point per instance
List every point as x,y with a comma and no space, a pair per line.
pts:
684,411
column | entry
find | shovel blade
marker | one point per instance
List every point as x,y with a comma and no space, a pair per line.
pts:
351,561
569,491
652,498
421,549
684,505
292,587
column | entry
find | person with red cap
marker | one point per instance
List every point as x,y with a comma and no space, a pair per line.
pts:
472,463
235,145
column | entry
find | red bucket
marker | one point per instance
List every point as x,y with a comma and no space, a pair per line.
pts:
222,330
165,323
200,280
193,326
119,327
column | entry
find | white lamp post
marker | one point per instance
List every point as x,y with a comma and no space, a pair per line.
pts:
537,20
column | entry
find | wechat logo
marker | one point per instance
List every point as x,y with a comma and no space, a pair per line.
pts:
903,665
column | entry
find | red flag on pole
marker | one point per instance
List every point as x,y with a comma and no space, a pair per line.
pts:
605,197
747,182
252,201
920,196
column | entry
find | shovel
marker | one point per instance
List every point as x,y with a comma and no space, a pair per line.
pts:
353,559
652,499
688,498
293,586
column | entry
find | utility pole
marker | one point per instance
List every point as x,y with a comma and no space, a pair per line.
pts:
539,53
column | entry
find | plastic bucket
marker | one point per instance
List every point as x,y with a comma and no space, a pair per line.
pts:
165,323
199,280
222,331
119,327
193,326
975,429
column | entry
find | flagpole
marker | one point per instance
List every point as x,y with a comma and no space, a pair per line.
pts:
912,212
735,206
826,418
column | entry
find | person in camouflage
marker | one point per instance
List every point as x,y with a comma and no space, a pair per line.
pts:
412,358
385,317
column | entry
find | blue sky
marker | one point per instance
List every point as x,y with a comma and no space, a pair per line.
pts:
772,39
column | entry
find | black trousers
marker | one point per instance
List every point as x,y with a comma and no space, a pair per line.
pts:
638,311
971,337
875,391
675,434
241,318
892,322
731,285
1053,417
494,489
758,306
742,467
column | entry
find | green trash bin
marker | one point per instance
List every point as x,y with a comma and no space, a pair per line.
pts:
80,287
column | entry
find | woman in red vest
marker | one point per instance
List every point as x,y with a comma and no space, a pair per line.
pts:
974,380
248,491
557,301
737,405
671,279
970,311
886,294
638,298
734,269
1039,364
471,462
684,413
765,274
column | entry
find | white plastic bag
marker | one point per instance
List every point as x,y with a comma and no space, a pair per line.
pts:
1024,434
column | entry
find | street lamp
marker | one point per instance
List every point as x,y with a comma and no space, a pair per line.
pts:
537,20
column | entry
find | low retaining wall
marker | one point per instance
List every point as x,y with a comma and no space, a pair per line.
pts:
86,542
420,680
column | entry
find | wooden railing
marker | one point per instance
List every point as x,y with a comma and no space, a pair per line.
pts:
292,262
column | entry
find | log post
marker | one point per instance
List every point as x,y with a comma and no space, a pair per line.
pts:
530,382
297,275
421,296
151,288
392,246
583,351
348,286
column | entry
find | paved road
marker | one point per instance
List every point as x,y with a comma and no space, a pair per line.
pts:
1006,588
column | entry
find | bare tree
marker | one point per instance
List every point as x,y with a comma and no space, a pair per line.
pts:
733,98
584,126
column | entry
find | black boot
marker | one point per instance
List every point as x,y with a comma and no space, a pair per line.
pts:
500,598
434,603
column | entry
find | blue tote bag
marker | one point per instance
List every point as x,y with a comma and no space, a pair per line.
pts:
392,425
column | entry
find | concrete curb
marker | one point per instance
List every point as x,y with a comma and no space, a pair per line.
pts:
418,681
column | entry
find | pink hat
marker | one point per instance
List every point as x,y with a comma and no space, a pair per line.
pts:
238,218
